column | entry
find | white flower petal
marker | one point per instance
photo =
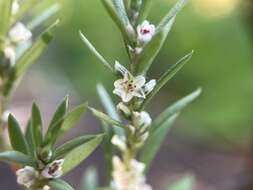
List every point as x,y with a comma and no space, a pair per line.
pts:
120,68
10,54
119,142
53,170
149,86
19,33
139,81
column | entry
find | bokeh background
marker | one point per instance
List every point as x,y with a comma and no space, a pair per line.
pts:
212,139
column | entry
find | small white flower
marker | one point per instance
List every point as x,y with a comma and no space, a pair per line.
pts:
10,54
129,86
19,33
27,176
46,187
141,119
53,170
120,142
145,32
128,177
149,86
15,7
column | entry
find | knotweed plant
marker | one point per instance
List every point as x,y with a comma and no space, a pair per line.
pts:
20,46
135,135
131,136
38,162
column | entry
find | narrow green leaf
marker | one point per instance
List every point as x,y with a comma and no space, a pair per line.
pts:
72,144
103,117
186,183
175,108
155,140
28,58
72,117
110,131
56,122
109,107
16,157
36,123
17,139
5,14
95,52
90,179
145,7
44,16
171,14
121,11
116,10
166,77
79,154
30,139
58,184
150,51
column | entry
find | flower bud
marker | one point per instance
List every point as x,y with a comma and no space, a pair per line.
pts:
145,32
124,109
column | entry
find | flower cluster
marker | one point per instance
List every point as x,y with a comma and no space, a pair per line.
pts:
29,176
17,35
128,177
128,172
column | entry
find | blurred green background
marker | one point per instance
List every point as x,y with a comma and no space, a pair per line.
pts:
212,137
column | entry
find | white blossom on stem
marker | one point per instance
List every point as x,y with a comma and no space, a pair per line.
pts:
53,170
130,86
120,142
128,177
141,119
145,32
10,54
19,33
27,176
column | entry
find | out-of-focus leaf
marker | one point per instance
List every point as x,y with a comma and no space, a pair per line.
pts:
121,11
171,14
150,51
95,52
166,77
5,13
186,183
34,52
80,153
103,117
116,10
17,157
57,184
107,146
26,6
155,140
72,117
56,122
70,145
44,16
90,179
36,123
161,125
17,138
109,106
145,7
174,108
